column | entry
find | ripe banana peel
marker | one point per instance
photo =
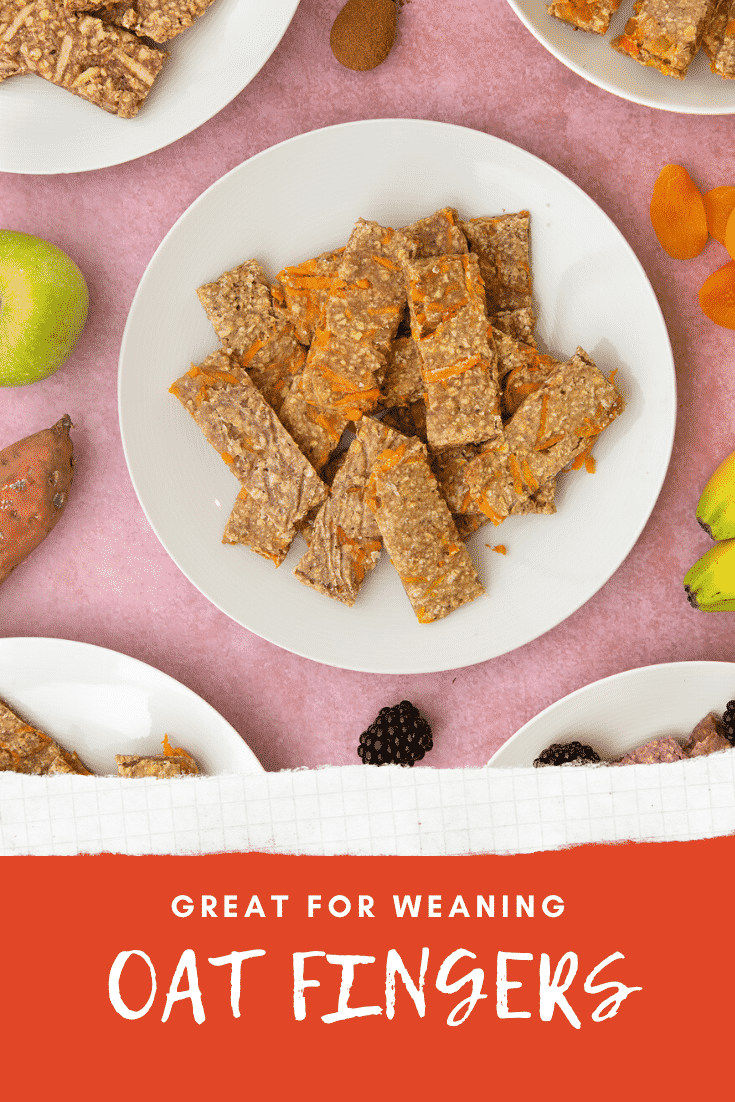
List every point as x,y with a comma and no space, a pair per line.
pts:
716,508
710,583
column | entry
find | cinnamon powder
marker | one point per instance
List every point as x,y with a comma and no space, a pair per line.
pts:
363,33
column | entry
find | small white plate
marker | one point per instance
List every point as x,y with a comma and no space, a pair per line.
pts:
101,703
624,711
592,57
45,129
302,197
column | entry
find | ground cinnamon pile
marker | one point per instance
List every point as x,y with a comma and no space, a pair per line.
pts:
363,33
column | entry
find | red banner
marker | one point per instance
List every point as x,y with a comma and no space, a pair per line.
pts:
597,972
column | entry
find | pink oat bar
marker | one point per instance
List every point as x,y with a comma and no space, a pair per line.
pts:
109,67
706,738
345,542
417,527
156,19
26,749
550,429
502,245
241,426
657,751
665,34
458,362
240,306
718,40
585,15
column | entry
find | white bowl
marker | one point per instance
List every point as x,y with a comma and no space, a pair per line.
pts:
621,712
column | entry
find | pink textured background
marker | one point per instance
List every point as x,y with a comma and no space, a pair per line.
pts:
102,576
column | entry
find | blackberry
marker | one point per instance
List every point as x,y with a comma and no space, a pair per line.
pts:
566,753
397,736
728,722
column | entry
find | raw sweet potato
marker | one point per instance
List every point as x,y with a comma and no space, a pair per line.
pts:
35,479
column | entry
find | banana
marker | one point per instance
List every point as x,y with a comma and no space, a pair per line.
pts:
716,508
710,583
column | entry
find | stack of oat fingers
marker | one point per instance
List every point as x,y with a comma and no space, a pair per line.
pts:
107,53
663,34
390,394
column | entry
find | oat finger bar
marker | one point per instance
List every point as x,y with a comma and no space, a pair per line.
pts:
345,542
718,40
417,527
458,363
26,749
440,234
241,309
550,429
346,360
162,766
241,426
502,246
586,15
109,67
301,291
522,369
665,34
249,525
156,19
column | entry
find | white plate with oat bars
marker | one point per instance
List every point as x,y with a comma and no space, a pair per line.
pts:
622,712
591,56
98,703
301,198
45,129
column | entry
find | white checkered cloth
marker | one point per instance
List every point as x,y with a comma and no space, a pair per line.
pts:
364,810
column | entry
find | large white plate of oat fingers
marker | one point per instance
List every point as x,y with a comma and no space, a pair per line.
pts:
311,195
161,68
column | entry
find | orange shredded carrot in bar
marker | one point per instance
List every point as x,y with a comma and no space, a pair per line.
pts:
247,357
585,459
488,510
529,477
437,374
549,442
515,470
389,457
386,263
227,458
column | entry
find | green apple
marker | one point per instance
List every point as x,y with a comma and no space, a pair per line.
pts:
43,307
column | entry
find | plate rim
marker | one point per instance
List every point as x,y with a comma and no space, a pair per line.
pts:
398,122
112,653
605,86
93,164
621,676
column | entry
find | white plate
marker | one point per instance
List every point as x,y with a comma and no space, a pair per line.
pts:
592,57
302,197
44,129
624,711
101,703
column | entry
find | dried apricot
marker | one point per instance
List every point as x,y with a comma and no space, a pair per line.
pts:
729,241
717,296
718,205
678,215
